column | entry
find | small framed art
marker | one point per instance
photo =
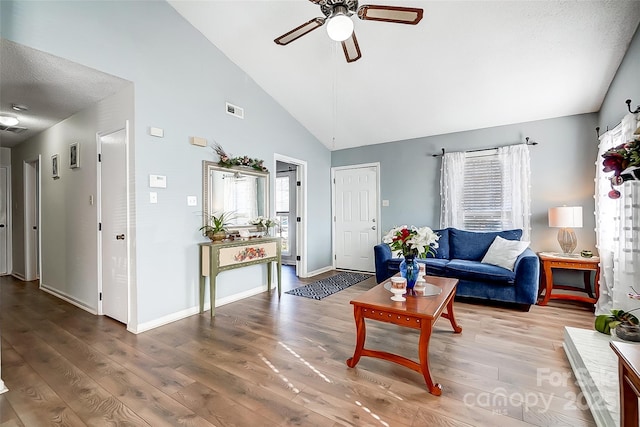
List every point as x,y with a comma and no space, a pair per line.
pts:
74,155
54,167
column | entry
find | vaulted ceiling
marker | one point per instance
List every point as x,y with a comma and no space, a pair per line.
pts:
466,65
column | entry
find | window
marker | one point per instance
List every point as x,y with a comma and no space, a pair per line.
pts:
486,201
487,191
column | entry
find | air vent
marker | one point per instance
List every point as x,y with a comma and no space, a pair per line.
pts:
13,129
234,110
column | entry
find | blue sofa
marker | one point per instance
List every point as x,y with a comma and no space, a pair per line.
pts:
459,255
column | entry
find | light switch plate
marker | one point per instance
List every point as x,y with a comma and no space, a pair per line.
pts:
156,132
192,201
385,203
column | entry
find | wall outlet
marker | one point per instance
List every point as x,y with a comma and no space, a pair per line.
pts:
157,132
385,203
192,201
153,197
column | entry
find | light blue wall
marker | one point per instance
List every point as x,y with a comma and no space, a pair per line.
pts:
181,84
562,172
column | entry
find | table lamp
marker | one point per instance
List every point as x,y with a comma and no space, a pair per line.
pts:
566,218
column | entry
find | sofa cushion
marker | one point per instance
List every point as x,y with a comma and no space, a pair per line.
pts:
473,270
472,245
504,253
435,266
443,244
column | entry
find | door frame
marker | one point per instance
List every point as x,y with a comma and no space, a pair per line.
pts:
301,209
375,165
8,223
99,136
32,182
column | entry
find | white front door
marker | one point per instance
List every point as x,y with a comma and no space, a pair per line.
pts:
113,218
4,225
356,217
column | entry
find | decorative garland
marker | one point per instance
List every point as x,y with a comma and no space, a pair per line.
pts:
227,161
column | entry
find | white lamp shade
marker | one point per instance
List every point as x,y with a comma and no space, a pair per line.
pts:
566,217
340,27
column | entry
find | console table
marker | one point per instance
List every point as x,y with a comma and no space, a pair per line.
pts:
217,257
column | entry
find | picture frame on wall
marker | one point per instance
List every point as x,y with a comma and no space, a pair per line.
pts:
74,155
54,167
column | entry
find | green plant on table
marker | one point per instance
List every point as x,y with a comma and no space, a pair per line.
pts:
218,222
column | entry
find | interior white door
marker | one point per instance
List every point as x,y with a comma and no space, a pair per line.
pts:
286,212
113,218
31,220
4,202
356,222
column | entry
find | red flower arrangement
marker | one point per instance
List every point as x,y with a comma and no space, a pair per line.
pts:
620,160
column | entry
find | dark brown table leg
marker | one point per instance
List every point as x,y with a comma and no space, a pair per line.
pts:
361,334
451,316
423,353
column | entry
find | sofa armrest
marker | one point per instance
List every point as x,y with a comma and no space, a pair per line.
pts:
382,255
527,282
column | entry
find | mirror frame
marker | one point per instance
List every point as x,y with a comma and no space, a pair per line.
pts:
210,166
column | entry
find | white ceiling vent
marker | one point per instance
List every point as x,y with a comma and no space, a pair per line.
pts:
234,110
12,129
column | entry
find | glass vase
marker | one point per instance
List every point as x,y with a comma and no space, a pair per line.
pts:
410,270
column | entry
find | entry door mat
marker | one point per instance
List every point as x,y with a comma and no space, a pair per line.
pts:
329,286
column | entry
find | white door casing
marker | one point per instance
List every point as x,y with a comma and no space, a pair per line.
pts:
355,213
4,221
31,219
113,211
301,210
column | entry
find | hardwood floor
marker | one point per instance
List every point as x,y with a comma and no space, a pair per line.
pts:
264,362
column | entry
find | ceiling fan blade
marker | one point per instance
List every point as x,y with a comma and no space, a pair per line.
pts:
397,14
300,31
351,48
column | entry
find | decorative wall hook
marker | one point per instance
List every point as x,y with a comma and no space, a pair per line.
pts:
637,110
530,142
598,131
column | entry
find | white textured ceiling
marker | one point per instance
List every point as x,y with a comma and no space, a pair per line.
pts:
53,88
466,65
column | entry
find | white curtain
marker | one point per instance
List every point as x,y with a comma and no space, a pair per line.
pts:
609,225
516,174
451,190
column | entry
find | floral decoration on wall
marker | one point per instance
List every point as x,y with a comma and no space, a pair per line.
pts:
228,161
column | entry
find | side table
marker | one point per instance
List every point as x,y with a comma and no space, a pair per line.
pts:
551,260
629,381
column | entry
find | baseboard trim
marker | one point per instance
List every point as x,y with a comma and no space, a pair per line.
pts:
67,298
319,271
19,277
3,388
179,315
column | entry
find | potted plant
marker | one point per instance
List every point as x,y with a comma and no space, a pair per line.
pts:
264,224
625,324
216,230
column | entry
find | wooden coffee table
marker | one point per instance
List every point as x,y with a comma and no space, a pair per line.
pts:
416,312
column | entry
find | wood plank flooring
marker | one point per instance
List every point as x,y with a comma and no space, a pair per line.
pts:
268,362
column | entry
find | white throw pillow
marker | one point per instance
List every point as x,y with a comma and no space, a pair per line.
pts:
504,253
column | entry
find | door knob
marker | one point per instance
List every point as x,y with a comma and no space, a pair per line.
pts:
373,227
120,237
1,225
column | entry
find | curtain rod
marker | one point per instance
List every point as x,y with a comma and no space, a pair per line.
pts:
527,142
628,102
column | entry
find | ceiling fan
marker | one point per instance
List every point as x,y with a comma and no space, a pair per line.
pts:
337,14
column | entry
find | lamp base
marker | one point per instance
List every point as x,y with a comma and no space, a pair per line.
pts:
567,240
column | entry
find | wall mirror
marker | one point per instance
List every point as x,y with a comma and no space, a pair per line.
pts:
242,191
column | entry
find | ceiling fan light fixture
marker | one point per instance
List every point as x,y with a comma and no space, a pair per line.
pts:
340,26
7,120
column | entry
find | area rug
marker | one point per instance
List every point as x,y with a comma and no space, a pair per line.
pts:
325,287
